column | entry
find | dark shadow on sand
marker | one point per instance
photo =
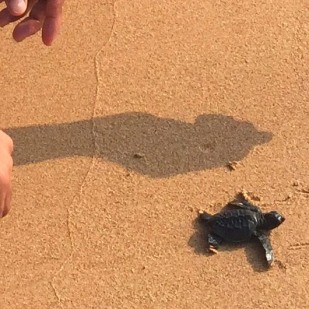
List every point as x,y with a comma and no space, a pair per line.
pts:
146,144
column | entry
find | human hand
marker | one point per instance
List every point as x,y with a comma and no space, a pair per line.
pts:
6,166
37,15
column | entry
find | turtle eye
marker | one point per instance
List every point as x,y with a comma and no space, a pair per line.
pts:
280,218
276,214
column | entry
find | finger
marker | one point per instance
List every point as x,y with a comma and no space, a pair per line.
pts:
7,202
26,28
4,186
32,24
17,7
7,141
6,17
38,11
51,26
2,203
6,166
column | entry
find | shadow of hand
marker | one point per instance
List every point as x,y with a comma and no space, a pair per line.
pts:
149,145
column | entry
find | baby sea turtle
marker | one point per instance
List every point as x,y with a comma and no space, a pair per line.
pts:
240,224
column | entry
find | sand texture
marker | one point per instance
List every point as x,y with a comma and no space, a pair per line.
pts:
125,128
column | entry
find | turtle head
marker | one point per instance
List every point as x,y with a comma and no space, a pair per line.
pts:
272,220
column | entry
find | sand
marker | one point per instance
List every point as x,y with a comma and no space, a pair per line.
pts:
124,129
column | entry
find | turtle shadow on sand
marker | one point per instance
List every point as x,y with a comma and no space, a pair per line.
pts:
254,252
149,145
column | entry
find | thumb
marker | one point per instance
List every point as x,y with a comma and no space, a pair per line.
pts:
16,7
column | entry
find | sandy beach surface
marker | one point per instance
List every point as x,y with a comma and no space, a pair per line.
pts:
123,130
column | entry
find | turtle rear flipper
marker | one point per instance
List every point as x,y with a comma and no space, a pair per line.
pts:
265,241
213,242
204,216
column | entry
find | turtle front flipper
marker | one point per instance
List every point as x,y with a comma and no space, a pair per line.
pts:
245,205
265,241
213,242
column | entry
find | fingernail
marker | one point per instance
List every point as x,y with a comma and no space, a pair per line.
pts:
18,7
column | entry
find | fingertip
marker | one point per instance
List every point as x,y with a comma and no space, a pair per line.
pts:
7,208
4,212
48,41
17,7
6,18
50,31
25,29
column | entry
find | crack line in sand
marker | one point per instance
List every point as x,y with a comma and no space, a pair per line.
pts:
96,150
